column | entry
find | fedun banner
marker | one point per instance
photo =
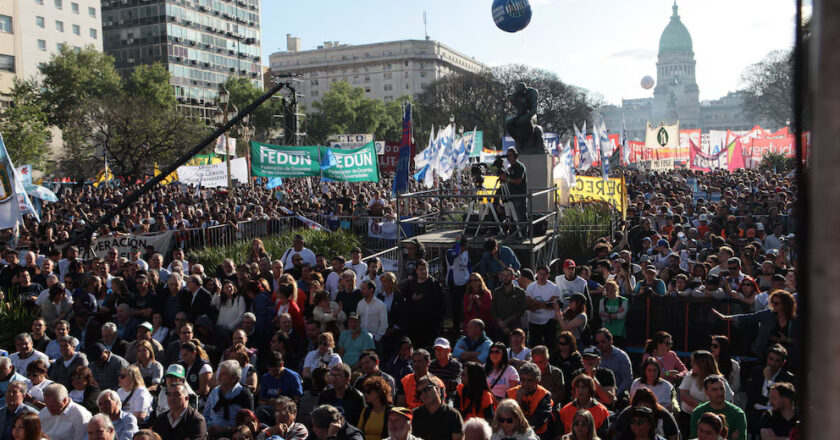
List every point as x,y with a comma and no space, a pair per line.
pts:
353,165
595,189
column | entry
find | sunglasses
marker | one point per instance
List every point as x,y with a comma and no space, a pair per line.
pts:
505,419
638,421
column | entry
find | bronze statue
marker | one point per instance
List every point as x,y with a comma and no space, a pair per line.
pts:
523,126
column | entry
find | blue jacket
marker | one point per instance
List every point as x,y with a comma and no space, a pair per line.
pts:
482,346
489,265
6,421
263,310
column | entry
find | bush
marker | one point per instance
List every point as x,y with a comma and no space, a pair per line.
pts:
777,163
14,318
320,242
580,227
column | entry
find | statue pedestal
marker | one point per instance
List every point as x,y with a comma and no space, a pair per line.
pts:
539,169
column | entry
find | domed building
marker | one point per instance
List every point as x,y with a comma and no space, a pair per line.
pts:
676,95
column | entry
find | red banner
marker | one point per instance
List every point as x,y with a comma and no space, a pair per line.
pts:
391,155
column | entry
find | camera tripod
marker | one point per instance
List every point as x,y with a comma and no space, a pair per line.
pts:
500,189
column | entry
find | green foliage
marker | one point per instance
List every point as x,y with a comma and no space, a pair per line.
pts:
580,227
242,93
14,319
777,163
151,84
320,242
24,126
72,77
345,109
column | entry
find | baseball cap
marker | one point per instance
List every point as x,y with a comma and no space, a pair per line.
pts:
98,349
442,343
614,256
646,239
590,351
147,326
353,315
569,263
175,370
644,259
759,226
662,242
405,412
704,218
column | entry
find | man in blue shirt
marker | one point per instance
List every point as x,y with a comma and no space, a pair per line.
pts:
494,260
279,381
616,360
475,345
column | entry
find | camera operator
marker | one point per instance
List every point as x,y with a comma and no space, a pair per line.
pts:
517,179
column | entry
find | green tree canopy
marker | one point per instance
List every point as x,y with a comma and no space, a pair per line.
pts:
242,93
24,126
151,83
73,77
345,109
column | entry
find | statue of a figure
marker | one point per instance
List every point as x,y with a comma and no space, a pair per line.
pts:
523,127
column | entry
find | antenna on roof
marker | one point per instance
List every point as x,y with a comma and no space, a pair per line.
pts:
425,29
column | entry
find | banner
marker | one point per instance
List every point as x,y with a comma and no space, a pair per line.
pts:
662,141
391,155
384,230
692,135
214,175
595,189
552,140
356,165
657,164
25,174
731,158
124,244
220,145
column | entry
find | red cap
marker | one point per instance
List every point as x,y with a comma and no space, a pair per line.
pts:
569,263
405,412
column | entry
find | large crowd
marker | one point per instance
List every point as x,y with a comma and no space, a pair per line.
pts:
332,347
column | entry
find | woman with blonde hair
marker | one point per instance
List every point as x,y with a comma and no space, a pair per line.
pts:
257,252
692,392
150,369
583,427
510,422
136,399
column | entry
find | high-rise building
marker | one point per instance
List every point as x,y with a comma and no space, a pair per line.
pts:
202,43
31,31
386,70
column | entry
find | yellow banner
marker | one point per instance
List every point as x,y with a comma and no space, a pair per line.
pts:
595,189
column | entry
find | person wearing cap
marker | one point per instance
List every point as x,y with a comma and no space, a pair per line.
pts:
353,341
174,375
523,278
651,284
435,419
508,304
445,366
540,298
144,333
181,420
399,424
604,378
569,284
661,253
106,366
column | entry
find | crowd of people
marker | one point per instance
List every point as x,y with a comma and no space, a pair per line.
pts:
324,347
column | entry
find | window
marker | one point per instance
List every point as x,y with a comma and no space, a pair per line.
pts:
42,45
7,63
314,93
39,2
59,4
389,87
39,21
422,74
74,7
59,46
5,24
59,26
367,89
93,33
92,11
77,30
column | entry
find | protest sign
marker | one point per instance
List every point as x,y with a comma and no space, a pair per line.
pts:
125,243
214,175
595,189
354,165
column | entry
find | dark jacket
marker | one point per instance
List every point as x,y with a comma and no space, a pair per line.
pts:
200,306
354,403
754,394
347,432
191,427
89,399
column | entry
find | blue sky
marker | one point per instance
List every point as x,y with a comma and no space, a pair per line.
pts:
605,46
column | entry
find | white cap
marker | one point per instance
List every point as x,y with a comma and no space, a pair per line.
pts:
704,218
442,343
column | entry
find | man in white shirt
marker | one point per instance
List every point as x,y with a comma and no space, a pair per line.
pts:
540,297
356,264
570,284
372,311
64,264
724,254
26,353
334,278
62,418
297,249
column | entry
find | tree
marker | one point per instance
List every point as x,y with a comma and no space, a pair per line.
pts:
24,126
242,93
73,77
151,83
345,109
769,88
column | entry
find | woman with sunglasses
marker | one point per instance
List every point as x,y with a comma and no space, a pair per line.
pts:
477,301
136,399
501,376
583,427
778,324
642,425
729,367
472,397
510,423
659,347
652,380
567,358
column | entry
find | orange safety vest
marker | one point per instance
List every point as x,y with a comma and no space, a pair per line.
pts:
485,409
412,396
530,403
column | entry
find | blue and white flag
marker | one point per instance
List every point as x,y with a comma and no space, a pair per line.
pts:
274,182
622,141
424,157
328,161
606,149
586,154
565,169
14,202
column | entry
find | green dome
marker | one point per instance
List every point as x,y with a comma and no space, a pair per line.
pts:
675,37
